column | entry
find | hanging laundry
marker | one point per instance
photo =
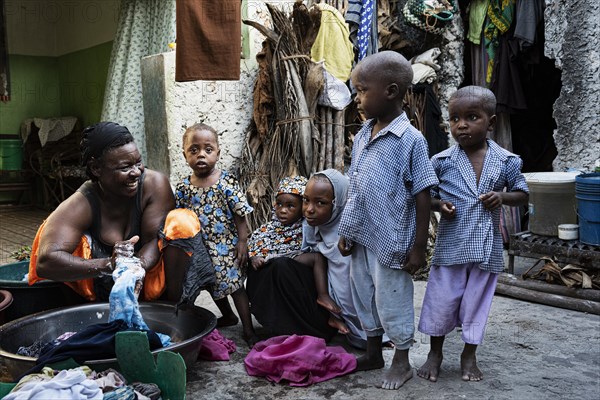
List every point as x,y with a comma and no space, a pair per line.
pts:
332,43
477,14
361,16
500,15
209,40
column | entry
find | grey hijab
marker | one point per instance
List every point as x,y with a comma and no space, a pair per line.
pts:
324,238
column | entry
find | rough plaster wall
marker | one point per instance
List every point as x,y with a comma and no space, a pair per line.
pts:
224,105
572,30
452,73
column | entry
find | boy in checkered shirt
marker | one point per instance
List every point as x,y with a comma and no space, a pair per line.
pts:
476,177
385,222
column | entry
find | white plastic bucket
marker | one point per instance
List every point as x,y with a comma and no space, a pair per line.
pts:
551,201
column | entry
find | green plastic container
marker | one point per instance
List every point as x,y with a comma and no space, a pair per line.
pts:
11,154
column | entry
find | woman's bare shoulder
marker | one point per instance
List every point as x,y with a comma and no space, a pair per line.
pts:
75,211
157,186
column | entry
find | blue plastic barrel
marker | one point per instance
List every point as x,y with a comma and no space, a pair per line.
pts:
587,192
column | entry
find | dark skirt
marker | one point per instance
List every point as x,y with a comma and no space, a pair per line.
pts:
283,298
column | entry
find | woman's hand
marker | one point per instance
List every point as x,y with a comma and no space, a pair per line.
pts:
345,246
257,262
123,249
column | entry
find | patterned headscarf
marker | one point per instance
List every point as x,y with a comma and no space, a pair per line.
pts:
292,185
274,239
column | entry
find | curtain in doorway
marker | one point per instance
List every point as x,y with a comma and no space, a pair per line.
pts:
145,27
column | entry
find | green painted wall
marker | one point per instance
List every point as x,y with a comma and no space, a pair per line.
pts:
35,91
82,76
72,84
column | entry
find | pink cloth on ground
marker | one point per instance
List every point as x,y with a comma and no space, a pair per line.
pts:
301,360
216,347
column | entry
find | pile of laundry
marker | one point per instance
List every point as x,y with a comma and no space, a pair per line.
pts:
81,383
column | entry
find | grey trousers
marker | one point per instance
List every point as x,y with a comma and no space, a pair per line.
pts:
383,298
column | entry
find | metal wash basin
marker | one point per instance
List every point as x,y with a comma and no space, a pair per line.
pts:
186,329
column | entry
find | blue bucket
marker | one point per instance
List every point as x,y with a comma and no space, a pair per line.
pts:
587,192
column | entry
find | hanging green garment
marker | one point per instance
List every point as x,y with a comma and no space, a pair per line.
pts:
477,13
500,15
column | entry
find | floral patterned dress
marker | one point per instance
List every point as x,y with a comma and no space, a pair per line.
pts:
215,206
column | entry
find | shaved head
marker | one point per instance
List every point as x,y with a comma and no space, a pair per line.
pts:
483,96
387,67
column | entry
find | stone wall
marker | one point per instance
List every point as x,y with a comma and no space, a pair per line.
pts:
170,107
572,30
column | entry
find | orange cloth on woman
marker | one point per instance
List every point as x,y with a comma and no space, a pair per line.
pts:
154,282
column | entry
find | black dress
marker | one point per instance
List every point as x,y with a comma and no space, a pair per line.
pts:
283,298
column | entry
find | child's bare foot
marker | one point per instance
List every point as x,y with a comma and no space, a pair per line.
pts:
339,325
396,376
325,301
468,366
366,363
431,369
398,373
227,320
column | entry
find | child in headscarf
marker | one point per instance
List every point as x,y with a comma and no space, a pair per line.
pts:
282,237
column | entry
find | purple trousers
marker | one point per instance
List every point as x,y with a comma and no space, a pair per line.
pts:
458,296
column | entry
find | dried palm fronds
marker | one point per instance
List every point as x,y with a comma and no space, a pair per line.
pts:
572,276
285,137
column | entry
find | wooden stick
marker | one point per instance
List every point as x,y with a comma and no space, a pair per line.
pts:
533,284
321,113
554,300
338,135
329,136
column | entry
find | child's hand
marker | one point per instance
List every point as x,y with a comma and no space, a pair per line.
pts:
415,261
491,200
447,209
241,254
345,246
257,262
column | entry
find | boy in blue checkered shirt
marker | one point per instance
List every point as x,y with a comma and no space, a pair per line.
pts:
467,258
386,219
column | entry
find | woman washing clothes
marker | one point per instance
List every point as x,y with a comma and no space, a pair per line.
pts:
123,205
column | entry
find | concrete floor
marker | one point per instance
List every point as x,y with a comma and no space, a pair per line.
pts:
531,351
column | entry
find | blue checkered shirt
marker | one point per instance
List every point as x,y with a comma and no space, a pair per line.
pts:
385,175
473,235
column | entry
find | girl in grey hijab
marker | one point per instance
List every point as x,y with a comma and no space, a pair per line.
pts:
324,239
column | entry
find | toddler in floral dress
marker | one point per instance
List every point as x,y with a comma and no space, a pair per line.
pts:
221,206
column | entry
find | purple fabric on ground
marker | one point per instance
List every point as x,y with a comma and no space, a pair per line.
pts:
216,347
300,360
